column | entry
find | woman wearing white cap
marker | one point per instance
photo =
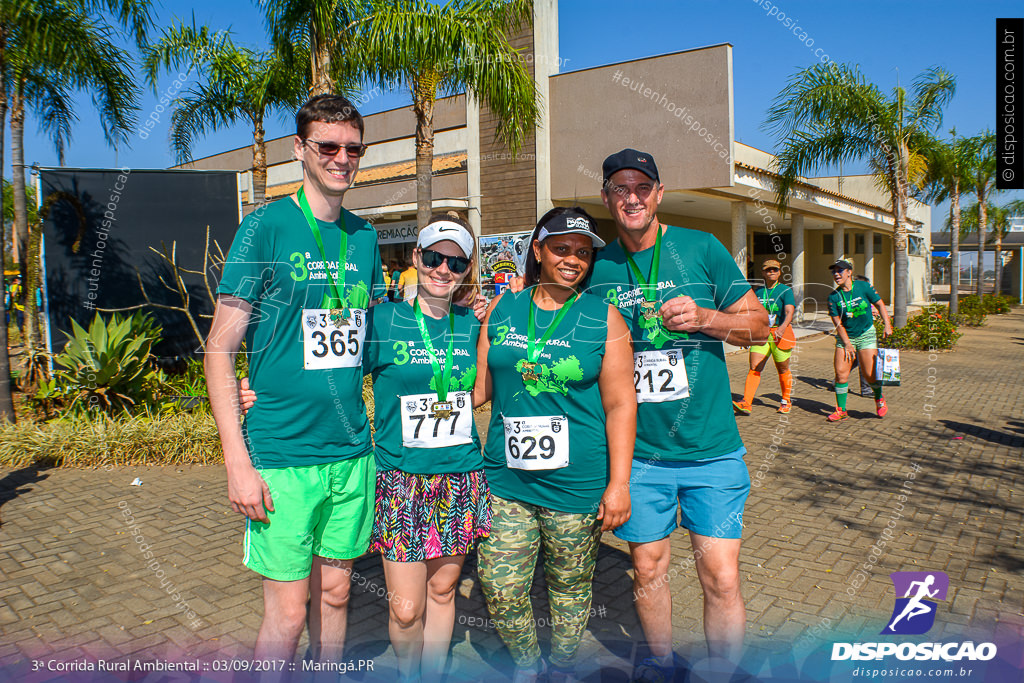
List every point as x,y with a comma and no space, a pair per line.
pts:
559,367
432,497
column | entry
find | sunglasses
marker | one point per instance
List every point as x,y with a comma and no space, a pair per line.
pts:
433,259
770,270
331,149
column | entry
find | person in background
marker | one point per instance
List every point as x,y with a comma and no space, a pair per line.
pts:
407,283
850,309
396,272
778,300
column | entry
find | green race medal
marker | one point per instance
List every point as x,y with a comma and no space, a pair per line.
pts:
441,409
650,307
534,348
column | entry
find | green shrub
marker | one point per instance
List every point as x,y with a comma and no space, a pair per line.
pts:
105,369
931,329
990,304
98,440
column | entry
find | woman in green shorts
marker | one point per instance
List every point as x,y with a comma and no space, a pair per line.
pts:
778,300
850,308
432,497
558,364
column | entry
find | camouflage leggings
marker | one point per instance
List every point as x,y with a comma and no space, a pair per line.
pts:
507,559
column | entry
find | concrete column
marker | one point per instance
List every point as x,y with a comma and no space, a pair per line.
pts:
869,255
798,264
739,235
838,240
545,65
473,162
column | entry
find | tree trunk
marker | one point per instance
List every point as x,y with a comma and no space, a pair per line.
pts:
999,261
423,107
32,273
954,247
6,401
259,165
899,238
18,177
320,82
982,229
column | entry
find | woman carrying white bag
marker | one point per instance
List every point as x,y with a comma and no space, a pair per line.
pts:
850,309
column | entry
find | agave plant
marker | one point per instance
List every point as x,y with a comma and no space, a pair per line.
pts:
107,368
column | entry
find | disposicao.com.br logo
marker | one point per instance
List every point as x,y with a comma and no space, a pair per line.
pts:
914,614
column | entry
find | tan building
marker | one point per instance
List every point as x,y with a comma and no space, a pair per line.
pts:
679,107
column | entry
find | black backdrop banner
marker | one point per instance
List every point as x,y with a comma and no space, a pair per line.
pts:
98,233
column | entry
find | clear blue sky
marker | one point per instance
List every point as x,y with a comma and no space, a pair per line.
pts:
880,36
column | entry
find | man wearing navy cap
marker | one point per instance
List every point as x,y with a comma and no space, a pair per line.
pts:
682,295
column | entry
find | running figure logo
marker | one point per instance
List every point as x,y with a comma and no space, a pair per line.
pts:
914,613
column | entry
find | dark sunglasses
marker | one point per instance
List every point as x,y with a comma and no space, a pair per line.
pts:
770,270
331,149
433,259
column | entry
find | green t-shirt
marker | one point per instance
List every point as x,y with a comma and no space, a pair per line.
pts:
695,264
567,372
775,301
853,308
304,416
401,368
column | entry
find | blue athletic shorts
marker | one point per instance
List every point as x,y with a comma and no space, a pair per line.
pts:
704,496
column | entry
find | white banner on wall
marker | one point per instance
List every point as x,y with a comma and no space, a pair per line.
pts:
397,233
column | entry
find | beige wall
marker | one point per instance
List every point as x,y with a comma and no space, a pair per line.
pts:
385,126
593,115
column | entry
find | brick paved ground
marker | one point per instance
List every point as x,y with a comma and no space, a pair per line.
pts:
74,582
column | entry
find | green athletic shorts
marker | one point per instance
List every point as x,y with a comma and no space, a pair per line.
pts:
324,510
769,348
868,340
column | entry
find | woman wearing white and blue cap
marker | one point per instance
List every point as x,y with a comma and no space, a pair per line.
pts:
558,366
432,496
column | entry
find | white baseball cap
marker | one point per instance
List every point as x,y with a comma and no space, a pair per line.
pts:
446,230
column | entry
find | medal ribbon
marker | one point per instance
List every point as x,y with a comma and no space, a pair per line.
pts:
533,351
441,378
767,295
650,285
336,289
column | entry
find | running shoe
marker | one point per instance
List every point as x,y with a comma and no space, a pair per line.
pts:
741,408
558,675
534,674
838,415
650,671
881,407
784,406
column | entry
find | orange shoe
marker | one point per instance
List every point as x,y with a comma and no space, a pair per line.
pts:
881,407
741,408
838,415
785,406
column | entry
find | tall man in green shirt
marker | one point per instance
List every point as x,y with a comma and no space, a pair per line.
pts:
680,292
297,283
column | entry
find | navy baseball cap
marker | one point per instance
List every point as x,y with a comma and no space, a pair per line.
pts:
573,223
630,158
841,264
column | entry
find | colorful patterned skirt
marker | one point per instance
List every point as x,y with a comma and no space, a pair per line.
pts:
424,516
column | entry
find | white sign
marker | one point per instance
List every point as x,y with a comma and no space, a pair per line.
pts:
397,233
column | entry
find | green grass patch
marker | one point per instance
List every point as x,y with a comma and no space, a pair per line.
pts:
174,439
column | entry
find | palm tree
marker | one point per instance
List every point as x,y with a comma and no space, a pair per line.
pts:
828,115
947,178
437,50
998,217
323,31
241,83
983,183
42,73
